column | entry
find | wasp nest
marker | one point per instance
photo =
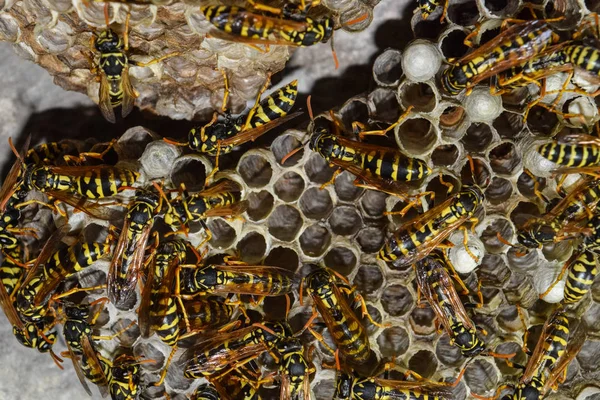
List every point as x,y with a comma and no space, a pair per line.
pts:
57,35
292,222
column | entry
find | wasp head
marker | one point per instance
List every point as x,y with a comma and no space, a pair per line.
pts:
322,142
108,41
468,342
343,387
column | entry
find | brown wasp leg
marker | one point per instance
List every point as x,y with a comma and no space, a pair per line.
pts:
363,305
116,334
332,180
264,7
383,132
77,290
455,275
257,102
466,243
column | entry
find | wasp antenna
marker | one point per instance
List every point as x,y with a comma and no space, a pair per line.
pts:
291,153
335,57
176,143
358,19
309,107
106,17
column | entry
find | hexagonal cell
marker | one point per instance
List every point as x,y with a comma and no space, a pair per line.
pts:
526,184
523,212
284,223
481,377
570,15
260,205
463,13
341,259
383,105
373,203
499,191
448,353
453,121
190,171
368,279
445,155
252,248
422,320
283,257
316,203
150,352
509,124
289,187
428,28
370,239
452,43
315,240
424,363
283,145
133,142
354,110
416,135
489,236
478,138
420,95
493,271
223,235
397,300
501,8
345,220
318,170
255,170
345,187
325,389
440,189
541,121
505,159
393,342
421,61
520,290
589,355
522,262
387,68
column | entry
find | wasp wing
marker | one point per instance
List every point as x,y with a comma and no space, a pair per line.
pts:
104,99
257,280
129,95
254,133
228,211
8,186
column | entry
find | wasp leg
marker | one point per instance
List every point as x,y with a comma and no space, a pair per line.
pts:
332,180
466,243
383,132
114,335
77,290
155,60
263,7
257,102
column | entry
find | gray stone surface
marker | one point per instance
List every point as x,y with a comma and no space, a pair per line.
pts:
29,101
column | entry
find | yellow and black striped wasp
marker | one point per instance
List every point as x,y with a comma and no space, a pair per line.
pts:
333,300
423,234
563,221
427,7
435,284
573,153
120,377
557,346
512,47
128,256
219,200
295,368
52,267
115,84
221,137
376,167
40,335
288,26
582,266
78,321
349,387
236,278
226,351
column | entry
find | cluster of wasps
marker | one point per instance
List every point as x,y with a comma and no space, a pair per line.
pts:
185,298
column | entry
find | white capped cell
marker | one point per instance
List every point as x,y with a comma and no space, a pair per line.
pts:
421,60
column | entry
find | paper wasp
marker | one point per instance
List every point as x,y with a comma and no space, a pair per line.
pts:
221,137
332,301
582,265
226,351
427,7
423,234
51,267
219,200
128,256
115,84
562,221
236,278
512,47
574,153
78,321
294,370
40,335
287,26
379,168
349,387
557,347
